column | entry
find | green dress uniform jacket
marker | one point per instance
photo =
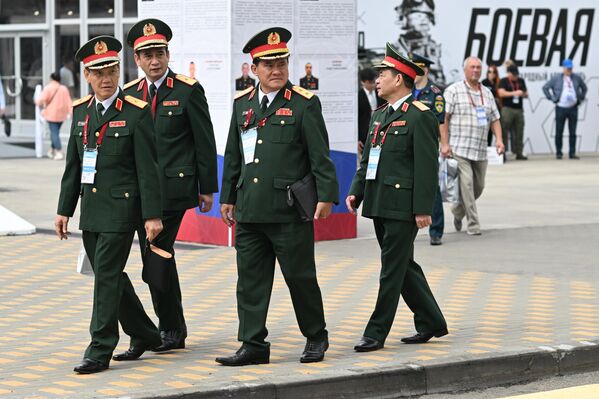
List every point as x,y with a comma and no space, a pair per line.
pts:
125,190
126,187
406,180
292,143
405,186
184,140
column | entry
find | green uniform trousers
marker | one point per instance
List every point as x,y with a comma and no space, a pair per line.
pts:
114,297
167,305
292,244
401,274
512,125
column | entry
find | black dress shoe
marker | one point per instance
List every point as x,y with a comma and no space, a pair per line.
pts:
172,339
245,356
314,350
368,345
133,353
559,156
436,241
89,366
574,157
521,157
422,338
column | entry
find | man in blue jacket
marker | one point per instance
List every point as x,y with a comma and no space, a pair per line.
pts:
567,91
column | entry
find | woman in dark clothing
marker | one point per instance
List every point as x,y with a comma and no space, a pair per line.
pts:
492,82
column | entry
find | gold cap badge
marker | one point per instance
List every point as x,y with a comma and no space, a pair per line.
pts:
274,38
149,29
100,48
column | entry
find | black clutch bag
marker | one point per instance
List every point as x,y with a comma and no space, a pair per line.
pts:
158,265
303,195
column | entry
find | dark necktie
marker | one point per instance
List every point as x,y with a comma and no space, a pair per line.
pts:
264,104
152,91
390,111
100,108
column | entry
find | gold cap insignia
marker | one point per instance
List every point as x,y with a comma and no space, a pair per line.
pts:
100,47
149,29
274,38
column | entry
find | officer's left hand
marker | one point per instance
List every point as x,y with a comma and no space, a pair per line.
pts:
153,228
423,221
206,202
323,210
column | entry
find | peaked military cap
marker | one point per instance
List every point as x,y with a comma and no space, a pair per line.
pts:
149,33
395,60
269,44
100,52
420,60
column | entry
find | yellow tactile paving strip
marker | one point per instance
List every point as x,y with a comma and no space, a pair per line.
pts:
45,307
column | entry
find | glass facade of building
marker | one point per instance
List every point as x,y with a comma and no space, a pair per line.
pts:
38,37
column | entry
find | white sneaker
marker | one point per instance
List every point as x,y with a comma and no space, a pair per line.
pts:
50,153
58,155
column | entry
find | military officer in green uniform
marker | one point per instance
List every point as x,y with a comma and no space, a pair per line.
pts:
187,166
430,95
396,184
277,136
111,165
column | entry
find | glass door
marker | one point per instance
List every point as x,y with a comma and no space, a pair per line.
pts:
21,70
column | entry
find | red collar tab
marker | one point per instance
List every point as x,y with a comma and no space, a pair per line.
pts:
141,84
287,94
119,104
91,100
252,94
404,107
169,82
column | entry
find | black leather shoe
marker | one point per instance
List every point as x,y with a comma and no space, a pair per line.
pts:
245,356
559,156
436,241
574,157
133,353
89,366
172,339
368,345
422,338
314,350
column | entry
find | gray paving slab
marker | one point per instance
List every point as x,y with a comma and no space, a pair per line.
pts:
522,301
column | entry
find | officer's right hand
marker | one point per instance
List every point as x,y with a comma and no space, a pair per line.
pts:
350,202
227,213
61,227
446,151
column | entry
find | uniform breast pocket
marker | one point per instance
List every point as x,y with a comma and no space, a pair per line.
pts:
172,117
397,139
282,129
116,142
398,193
180,181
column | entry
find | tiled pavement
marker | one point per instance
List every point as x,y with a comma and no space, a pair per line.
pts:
493,306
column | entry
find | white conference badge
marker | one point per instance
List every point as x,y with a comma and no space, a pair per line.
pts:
515,100
481,116
88,172
248,138
373,163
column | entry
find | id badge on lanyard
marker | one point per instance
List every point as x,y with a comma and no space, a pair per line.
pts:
373,163
88,172
515,100
248,139
481,116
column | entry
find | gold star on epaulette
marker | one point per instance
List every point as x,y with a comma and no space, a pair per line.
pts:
136,102
303,92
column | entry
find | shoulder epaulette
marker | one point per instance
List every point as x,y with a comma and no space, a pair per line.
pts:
133,82
82,100
135,101
303,92
243,93
435,89
420,105
186,79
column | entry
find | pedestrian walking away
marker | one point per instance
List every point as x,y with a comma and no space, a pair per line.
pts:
186,152
56,103
111,165
277,137
396,185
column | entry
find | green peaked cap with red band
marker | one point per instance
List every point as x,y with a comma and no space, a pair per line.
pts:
395,60
269,44
149,33
100,52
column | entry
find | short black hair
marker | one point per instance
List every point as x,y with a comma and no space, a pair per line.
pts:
367,75
55,76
